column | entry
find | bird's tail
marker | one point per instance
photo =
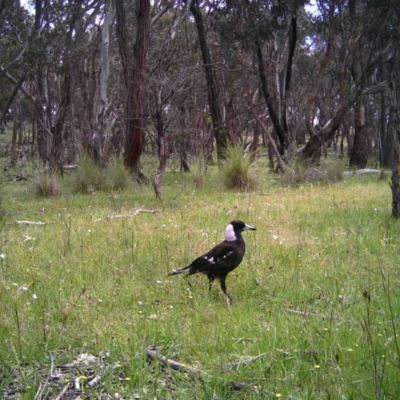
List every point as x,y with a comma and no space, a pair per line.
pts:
179,271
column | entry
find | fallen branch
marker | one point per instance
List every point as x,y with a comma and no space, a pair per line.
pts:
15,178
240,363
365,171
175,365
307,352
66,387
38,223
306,314
116,216
153,355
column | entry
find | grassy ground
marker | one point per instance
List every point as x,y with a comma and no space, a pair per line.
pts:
317,295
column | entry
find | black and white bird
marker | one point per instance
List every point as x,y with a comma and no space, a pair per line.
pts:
221,259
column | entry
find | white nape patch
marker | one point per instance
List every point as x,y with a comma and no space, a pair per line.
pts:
230,233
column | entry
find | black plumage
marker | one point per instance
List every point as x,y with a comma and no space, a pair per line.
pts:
223,258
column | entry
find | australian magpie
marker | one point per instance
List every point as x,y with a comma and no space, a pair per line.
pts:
221,259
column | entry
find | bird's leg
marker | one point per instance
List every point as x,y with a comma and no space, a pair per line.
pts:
188,280
223,287
210,282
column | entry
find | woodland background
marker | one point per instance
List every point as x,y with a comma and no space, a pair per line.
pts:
183,78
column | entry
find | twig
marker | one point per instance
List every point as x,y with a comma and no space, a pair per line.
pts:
15,178
310,314
307,352
239,363
175,365
66,387
152,353
128,215
37,223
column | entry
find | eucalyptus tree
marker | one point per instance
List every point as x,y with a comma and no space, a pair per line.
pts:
171,83
392,74
268,33
133,51
214,101
17,56
353,54
103,120
60,30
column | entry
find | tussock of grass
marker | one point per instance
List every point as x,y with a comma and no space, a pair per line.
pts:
89,281
47,184
88,177
199,170
118,176
236,172
91,176
325,174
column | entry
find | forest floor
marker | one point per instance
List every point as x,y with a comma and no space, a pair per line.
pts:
88,312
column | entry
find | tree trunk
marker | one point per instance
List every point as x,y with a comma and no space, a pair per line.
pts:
394,124
135,136
58,128
8,105
162,151
219,131
386,152
288,77
273,114
395,186
101,128
359,150
50,122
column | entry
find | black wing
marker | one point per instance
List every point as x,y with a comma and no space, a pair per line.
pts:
218,261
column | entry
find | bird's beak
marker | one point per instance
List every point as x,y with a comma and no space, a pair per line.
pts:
249,228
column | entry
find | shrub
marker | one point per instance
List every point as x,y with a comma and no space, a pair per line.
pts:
236,172
46,184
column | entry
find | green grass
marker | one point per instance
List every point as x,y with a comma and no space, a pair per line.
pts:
88,282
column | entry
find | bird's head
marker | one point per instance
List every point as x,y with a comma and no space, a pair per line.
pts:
235,228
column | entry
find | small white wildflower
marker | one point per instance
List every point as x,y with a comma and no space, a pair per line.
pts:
140,303
2,256
34,296
23,288
275,237
158,282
